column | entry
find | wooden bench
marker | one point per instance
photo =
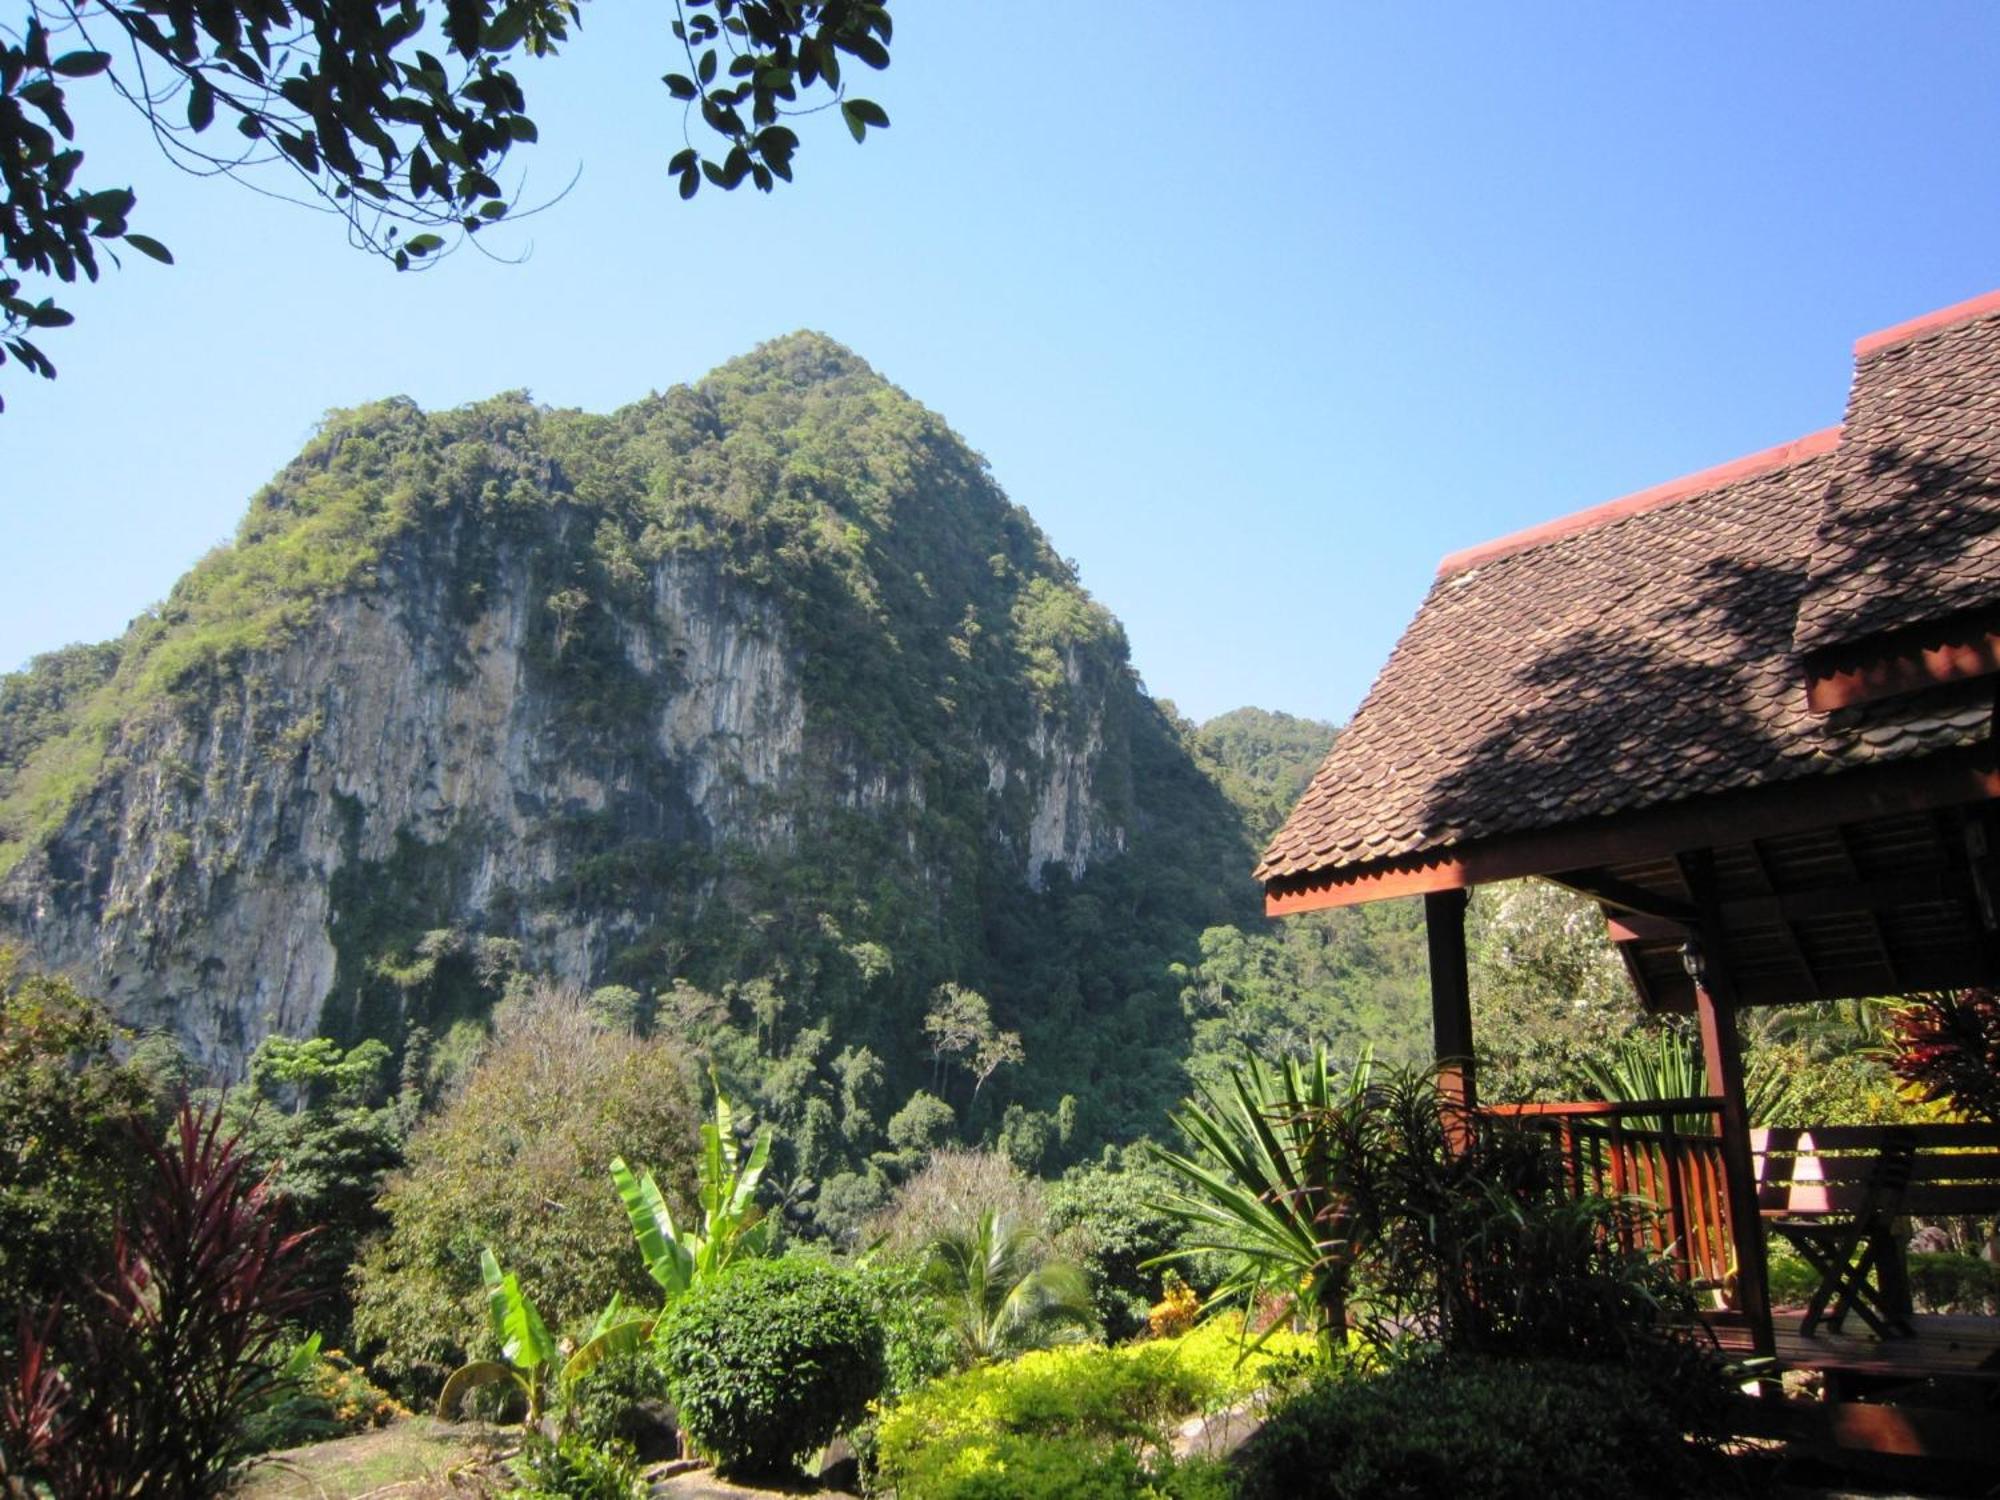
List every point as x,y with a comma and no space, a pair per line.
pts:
1839,1192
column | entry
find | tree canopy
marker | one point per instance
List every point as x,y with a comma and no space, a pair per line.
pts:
399,122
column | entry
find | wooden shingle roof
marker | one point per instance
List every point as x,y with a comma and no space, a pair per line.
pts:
1909,530
1653,652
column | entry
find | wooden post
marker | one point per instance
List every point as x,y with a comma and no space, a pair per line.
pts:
1451,995
1722,1057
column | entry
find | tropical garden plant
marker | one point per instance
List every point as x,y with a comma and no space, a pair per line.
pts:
733,1226
1947,1045
530,1358
999,1292
146,1385
1275,1182
1665,1063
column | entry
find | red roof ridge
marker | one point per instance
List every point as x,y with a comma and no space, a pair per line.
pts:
1930,322
1751,466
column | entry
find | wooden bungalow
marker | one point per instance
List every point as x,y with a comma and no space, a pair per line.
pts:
1751,713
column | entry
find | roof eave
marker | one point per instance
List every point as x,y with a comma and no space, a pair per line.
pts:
1945,779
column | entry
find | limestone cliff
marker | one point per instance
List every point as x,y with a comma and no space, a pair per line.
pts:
727,684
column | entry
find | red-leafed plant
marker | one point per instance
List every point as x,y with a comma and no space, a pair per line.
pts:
142,1388
32,1425
1948,1045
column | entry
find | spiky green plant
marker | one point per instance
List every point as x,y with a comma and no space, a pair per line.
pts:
1666,1064
1270,1183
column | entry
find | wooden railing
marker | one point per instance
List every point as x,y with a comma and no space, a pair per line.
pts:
1666,1154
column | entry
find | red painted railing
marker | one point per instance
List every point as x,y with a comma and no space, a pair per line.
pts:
1664,1154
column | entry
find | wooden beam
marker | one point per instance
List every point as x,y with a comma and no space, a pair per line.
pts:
1628,927
1946,779
1896,985
1722,1057
1639,900
1785,928
1451,994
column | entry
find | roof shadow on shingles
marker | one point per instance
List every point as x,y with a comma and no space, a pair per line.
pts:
1614,666
1907,533
1614,719
1918,551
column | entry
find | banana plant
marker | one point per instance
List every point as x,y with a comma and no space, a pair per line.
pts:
528,1354
733,1227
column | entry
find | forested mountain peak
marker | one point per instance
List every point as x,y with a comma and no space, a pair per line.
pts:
754,706
1263,760
803,359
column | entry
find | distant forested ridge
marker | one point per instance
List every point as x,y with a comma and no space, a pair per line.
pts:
754,707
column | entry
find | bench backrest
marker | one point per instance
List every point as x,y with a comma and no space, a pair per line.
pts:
1826,1169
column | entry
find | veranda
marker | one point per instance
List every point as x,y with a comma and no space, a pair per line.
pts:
1751,714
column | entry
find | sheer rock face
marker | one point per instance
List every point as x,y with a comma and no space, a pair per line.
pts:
212,880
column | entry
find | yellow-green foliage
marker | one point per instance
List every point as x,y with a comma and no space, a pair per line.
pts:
986,1430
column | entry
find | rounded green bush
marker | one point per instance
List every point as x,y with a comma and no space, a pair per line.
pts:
1476,1430
767,1363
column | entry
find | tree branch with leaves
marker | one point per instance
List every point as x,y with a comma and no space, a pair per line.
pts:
400,126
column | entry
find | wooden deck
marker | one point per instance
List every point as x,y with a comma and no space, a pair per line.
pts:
1894,1408
1944,1346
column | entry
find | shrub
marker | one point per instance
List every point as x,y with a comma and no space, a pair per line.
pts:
1948,1046
768,1362
517,1160
624,1400
1107,1216
917,1340
1175,1312
71,1154
330,1398
1475,1430
1011,1467
1081,1409
574,1468
1950,1283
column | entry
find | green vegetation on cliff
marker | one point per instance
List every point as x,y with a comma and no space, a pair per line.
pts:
978,795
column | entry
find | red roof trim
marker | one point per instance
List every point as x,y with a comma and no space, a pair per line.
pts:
1970,774
1812,445
1907,662
1931,322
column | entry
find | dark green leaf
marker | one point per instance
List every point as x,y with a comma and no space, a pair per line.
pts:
81,64
145,244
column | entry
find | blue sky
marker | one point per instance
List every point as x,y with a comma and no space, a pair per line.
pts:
1259,308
